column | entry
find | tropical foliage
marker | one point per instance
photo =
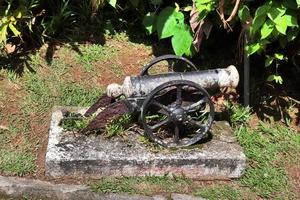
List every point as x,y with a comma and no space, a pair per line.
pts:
272,26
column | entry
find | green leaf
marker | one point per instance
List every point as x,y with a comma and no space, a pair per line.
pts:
262,10
244,13
199,2
269,61
252,48
279,56
202,12
275,12
292,34
298,3
112,3
291,20
276,78
266,29
281,25
149,22
3,32
135,3
14,30
204,7
168,22
182,41
258,21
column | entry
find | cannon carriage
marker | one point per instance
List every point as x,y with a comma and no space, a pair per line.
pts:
174,108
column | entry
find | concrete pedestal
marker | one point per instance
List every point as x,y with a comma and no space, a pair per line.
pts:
70,154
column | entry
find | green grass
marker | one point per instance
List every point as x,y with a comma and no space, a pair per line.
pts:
267,150
92,53
16,162
220,192
238,114
143,185
78,95
40,94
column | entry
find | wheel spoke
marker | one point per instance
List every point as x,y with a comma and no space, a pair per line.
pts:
176,134
197,124
156,103
159,124
195,106
179,95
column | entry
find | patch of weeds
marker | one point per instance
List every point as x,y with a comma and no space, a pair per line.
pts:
265,175
219,192
93,53
146,185
12,76
117,126
238,114
74,122
16,162
77,95
152,146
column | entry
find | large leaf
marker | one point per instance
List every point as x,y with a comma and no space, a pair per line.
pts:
291,20
262,10
275,12
298,3
267,29
182,41
168,22
244,13
258,21
281,24
149,22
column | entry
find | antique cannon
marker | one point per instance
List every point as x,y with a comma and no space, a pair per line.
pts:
174,108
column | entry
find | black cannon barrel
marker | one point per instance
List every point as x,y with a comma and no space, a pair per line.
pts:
143,85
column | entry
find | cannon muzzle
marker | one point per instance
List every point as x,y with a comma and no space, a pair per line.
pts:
142,85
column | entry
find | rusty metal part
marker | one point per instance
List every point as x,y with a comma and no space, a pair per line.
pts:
110,113
102,102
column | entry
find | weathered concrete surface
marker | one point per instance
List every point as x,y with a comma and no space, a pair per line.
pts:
71,155
11,187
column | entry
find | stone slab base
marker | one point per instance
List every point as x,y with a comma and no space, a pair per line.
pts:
73,154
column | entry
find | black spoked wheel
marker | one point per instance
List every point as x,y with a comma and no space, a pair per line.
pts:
177,114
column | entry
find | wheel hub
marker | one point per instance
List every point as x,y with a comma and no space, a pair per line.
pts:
178,114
